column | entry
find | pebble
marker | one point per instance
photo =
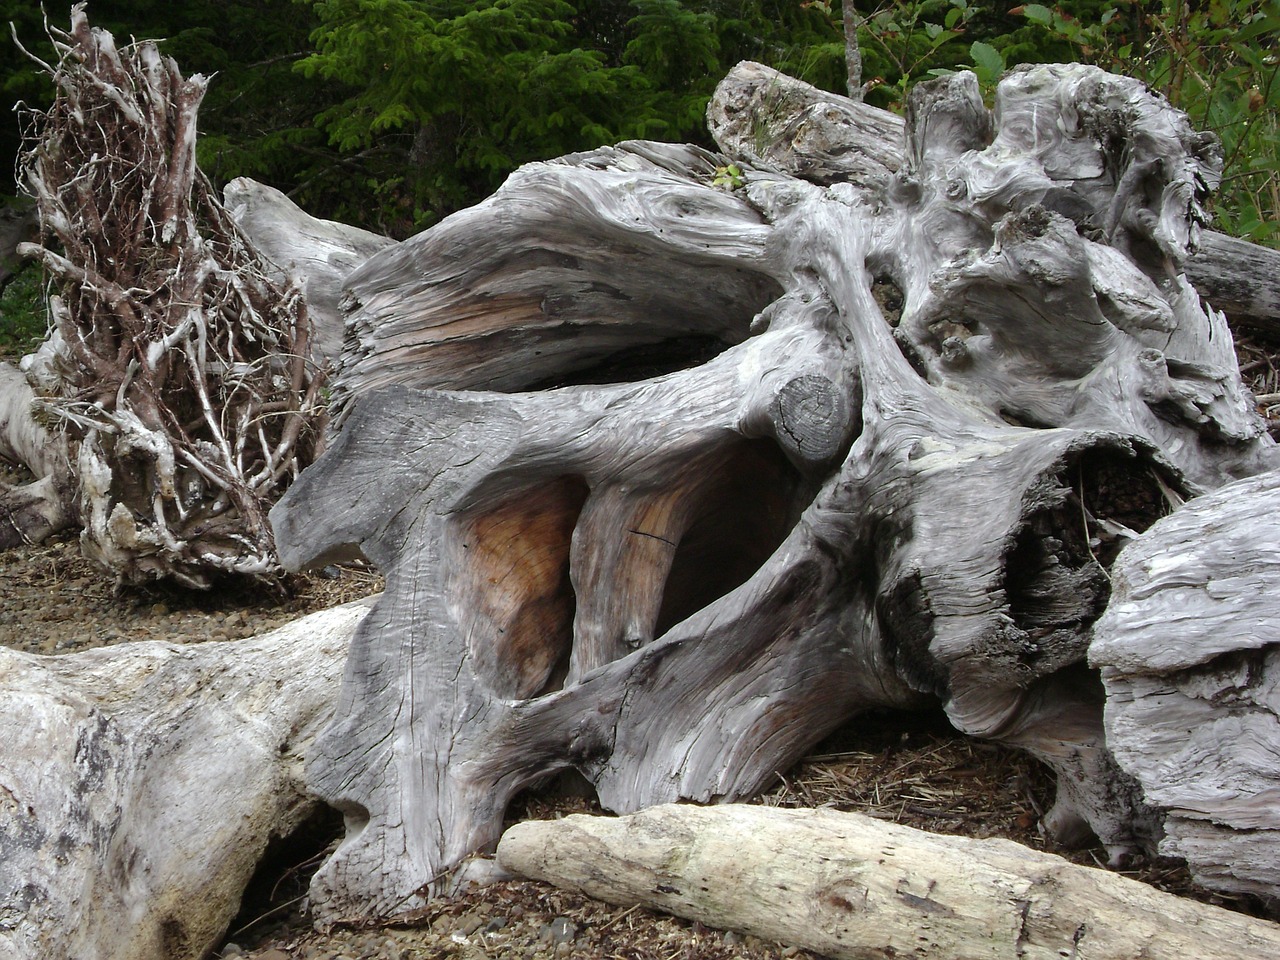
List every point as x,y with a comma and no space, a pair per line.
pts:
561,930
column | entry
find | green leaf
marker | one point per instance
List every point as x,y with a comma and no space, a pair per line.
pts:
988,61
1037,13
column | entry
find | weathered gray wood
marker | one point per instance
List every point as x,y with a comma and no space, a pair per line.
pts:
1189,651
776,122
314,255
784,124
1239,278
140,783
848,886
569,266
30,512
676,584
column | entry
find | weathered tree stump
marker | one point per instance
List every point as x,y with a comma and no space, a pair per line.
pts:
1189,650
675,573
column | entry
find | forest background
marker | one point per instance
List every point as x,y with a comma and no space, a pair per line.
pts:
392,114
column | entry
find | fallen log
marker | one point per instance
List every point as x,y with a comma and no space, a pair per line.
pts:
312,255
1189,652
677,580
140,784
852,887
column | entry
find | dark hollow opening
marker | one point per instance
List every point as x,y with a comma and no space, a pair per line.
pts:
273,897
742,517
1057,580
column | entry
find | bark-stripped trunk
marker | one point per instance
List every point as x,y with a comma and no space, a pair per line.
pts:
851,887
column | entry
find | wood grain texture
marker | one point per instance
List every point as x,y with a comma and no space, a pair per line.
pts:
941,494
851,887
313,254
1189,651
29,512
141,783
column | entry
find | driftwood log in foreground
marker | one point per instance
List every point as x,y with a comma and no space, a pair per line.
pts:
181,374
851,887
783,504
140,784
1189,651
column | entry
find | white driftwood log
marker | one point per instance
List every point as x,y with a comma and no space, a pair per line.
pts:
140,783
851,887
677,580
29,512
1189,651
313,255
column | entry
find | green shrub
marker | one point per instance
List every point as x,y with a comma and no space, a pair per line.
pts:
1218,62
23,316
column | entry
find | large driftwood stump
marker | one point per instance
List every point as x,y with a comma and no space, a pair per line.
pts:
676,573
851,887
140,784
1189,651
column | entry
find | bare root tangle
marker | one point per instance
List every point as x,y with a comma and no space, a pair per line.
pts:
185,377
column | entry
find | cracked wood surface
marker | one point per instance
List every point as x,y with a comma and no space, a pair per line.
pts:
676,582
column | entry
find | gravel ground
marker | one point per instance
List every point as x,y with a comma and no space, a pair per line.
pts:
912,770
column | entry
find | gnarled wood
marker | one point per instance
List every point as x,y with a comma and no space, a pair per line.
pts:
184,381
934,499
784,124
847,886
1189,651
314,256
140,784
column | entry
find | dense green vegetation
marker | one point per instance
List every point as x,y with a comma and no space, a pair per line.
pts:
22,320
394,113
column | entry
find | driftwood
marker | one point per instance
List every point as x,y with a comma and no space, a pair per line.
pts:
140,784
1189,651
1241,279
678,580
31,511
184,382
779,123
312,255
851,887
